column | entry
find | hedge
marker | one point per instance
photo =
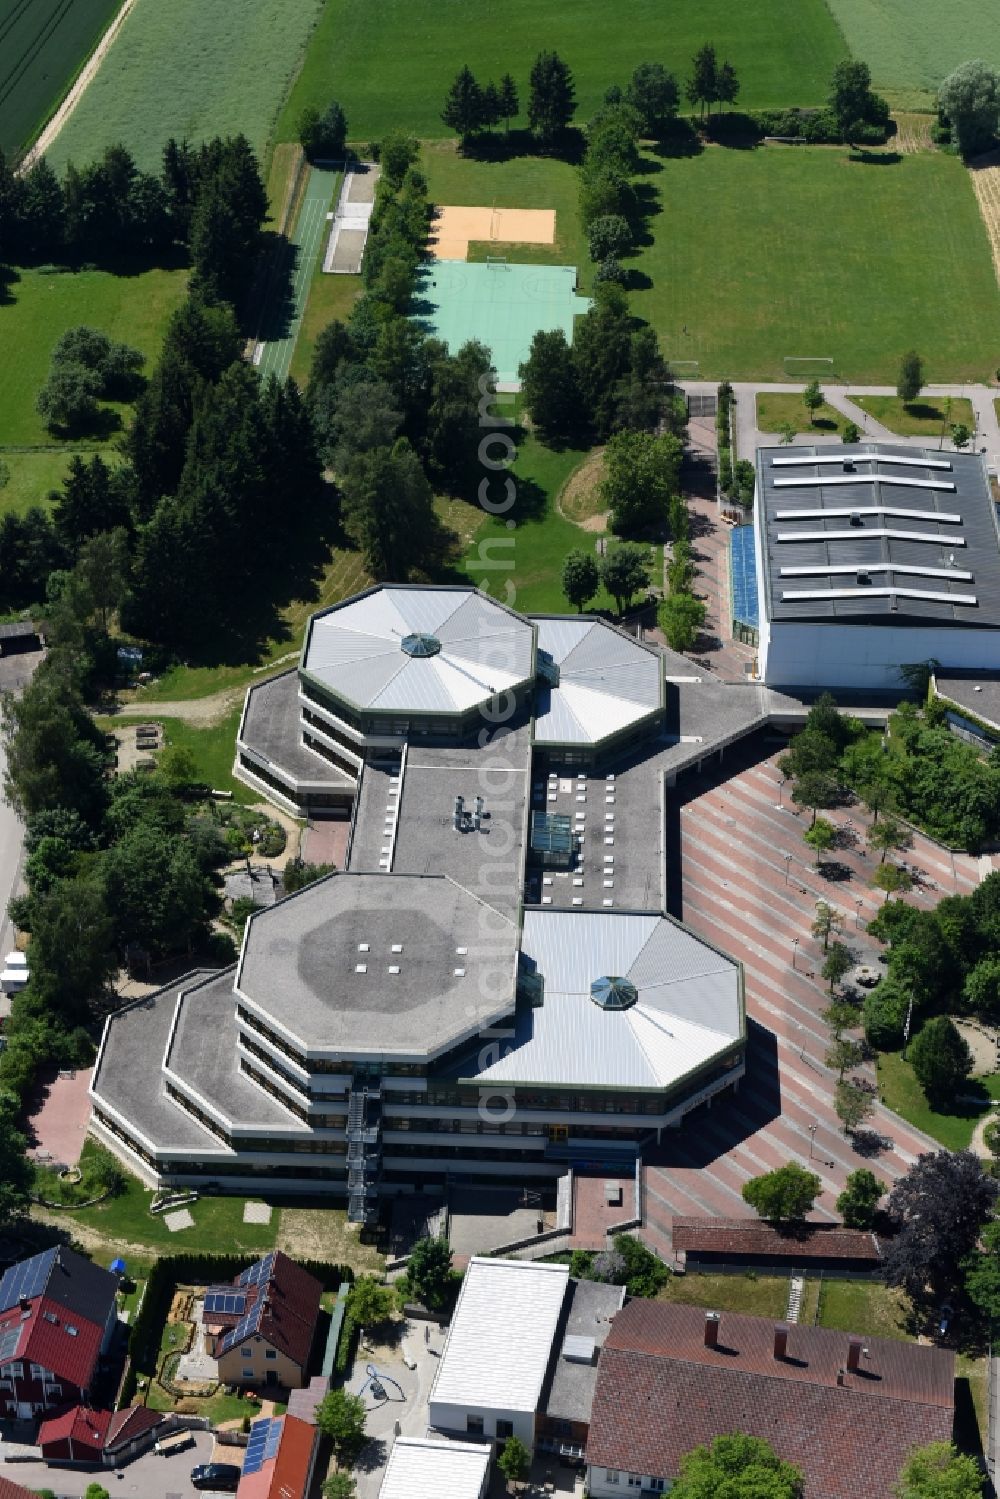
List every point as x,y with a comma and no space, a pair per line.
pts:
196,1269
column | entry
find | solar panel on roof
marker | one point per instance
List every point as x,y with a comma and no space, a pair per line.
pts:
265,1435
231,1303
259,1273
27,1279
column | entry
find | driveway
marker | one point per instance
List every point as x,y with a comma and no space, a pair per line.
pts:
149,1477
11,854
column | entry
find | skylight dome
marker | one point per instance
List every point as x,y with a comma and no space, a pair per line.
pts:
614,993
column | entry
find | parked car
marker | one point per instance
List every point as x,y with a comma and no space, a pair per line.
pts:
944,1319
224,1476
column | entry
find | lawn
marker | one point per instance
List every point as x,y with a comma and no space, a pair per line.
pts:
775,408
523,565
213,749
759,255
755,1295
329,297
863,1306
930,417
901,1092
390,64
34,475
911,45
190,69
134,308
218,1223
44,45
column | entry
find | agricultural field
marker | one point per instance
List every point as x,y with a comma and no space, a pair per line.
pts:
390,64
193,68
911,45
804,252
43,45
41,307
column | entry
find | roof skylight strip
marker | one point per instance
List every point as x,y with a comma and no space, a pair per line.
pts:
803,481
841,457
899,512
803,594
882,531
824,571
825,480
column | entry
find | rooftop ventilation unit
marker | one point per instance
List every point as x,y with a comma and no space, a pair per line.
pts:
546,668
458,820
848,466
578,1349
855,517
864,576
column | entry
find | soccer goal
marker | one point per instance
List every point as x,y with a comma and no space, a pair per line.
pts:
804,369
497,262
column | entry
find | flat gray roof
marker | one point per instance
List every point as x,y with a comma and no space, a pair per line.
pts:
321,964
588,1312
129,1079
608,682
878,532
271,730
688,1006
362,649
977,692
203,1055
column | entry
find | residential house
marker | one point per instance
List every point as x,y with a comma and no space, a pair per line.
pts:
279,1460
260,1328
11,1490
58,1314
845,1410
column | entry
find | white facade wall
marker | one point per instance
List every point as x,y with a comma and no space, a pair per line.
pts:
831,654
612,1483
456,1418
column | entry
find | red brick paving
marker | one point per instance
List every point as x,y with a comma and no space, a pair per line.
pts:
325,842
57,1124
592,1217
733,842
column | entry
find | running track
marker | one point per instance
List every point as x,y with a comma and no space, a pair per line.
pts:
307,242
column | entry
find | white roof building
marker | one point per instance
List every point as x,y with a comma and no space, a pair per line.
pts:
421,1466
594,681
408,649
499,1345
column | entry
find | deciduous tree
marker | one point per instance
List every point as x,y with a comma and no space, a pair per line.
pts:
941,1059
682,616
910,380
940,1207
641,474
341,1417
836,964
653,94
625,572
812,399
784,1195
892,879
581,578
938,1471
737,1467
820,837
859,1199
853,1102
826,922
970,97
514,1461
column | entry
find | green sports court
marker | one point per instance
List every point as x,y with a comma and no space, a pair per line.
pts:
501,304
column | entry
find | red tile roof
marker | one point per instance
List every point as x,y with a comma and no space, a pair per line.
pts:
10,1490
128,1424
79,1424
740,1236
660,1392
46,1339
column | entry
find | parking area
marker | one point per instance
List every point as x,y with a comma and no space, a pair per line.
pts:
149,1477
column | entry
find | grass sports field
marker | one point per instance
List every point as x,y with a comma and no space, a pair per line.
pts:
390,64
43,45
132,308
911,45
191,68
802,252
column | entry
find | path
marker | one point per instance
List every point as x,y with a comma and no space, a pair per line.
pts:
275,357
198,710
749,437
76,93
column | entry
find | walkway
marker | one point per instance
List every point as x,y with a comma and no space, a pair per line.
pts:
749,438
349,231
750,887
285,304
